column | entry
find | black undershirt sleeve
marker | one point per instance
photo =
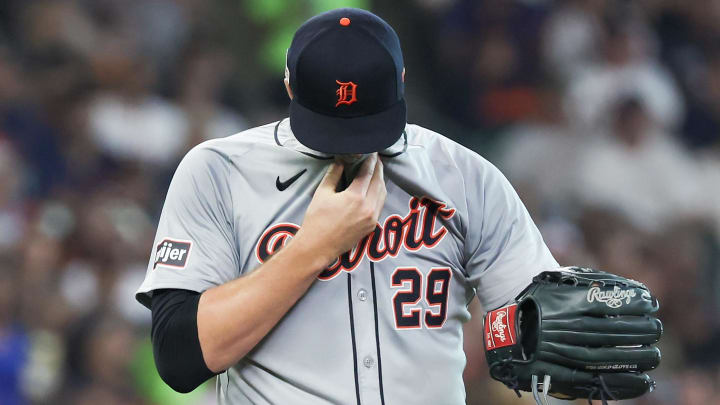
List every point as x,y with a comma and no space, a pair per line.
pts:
175,341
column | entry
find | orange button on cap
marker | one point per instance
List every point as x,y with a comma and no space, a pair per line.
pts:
344,21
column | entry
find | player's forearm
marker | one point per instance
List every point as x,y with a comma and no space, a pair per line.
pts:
234,317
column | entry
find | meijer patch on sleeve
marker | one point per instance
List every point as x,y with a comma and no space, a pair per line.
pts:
172,253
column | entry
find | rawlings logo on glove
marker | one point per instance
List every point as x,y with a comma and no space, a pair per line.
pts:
613,299
500,330
499,327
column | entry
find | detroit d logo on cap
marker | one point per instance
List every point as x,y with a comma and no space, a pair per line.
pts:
172,253
346,93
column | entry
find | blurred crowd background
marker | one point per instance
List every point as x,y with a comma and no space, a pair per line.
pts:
604,114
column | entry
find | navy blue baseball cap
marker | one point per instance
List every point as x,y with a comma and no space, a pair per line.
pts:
346,73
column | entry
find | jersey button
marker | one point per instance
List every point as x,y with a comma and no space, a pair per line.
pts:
368,362
362,294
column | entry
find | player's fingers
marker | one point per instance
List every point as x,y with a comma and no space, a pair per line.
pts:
376,188
331,178
380,202
362,181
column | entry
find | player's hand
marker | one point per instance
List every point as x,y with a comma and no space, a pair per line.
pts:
336,221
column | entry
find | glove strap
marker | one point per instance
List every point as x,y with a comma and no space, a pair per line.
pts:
502,347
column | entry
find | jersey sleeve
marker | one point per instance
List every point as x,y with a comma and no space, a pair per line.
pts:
504,248
194,247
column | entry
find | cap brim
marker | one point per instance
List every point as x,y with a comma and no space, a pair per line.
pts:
335,135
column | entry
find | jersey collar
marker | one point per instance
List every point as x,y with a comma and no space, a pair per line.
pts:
285,138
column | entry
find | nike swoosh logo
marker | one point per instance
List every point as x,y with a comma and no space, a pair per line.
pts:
282,185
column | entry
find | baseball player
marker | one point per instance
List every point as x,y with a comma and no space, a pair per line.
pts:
329,258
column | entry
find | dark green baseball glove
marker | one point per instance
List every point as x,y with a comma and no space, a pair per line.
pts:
576,333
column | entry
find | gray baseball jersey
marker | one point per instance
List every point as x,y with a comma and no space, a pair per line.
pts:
383,323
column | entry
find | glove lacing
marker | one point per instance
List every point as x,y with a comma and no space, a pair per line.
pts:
601,389
502,370
506,375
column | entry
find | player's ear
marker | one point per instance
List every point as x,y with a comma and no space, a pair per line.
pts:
287,77
287,87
